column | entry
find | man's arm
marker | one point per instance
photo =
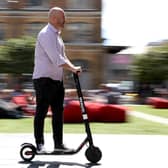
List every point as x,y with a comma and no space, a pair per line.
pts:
51,46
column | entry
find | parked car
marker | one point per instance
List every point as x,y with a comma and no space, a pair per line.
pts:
126,86
10,110
108,93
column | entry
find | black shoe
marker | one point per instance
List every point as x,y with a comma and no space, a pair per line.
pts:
62,148
40,148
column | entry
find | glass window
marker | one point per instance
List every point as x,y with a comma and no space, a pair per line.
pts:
80,62
80,4
121,59
2,31
33,29
79,32
85,78
3,4
37,4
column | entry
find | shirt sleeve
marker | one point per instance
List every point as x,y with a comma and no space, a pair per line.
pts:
53,48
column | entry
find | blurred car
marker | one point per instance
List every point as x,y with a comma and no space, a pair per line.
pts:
126,87
108,93
10,110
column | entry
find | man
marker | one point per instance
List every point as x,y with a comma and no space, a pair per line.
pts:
50,60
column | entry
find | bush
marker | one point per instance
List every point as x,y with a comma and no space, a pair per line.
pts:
17,55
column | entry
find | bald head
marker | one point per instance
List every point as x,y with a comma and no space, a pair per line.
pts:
56,17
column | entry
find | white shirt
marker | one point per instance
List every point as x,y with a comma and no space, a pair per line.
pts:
49,54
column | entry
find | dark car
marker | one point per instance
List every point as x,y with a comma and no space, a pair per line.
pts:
108,93
10,110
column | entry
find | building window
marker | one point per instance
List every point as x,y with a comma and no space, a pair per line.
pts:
78,4
80,62
3,4
33,29
121,59
2,31
37,4
85,78
79,32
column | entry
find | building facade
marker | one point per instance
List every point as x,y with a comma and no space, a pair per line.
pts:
82,32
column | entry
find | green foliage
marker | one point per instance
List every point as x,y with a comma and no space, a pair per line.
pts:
17,55
152,67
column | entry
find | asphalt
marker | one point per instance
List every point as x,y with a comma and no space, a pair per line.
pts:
119,151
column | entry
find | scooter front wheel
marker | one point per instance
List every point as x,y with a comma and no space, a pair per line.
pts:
27,152
93,154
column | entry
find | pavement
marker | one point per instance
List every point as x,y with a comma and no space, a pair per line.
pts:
119,151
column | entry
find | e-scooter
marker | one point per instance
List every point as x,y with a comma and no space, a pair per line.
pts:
92,153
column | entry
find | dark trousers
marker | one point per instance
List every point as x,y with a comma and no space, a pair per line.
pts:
49,93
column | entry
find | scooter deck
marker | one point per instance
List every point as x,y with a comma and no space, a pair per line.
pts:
61,152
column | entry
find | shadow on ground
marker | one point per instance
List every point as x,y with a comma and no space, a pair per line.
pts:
55,164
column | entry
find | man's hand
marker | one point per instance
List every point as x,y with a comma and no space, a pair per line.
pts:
77,69
71,67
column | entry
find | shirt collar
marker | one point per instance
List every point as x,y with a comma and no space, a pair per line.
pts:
53,28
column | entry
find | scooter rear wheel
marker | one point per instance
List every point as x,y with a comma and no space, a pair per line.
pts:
93,154
27,152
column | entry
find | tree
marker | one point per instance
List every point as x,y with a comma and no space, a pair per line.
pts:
152,67
16,56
